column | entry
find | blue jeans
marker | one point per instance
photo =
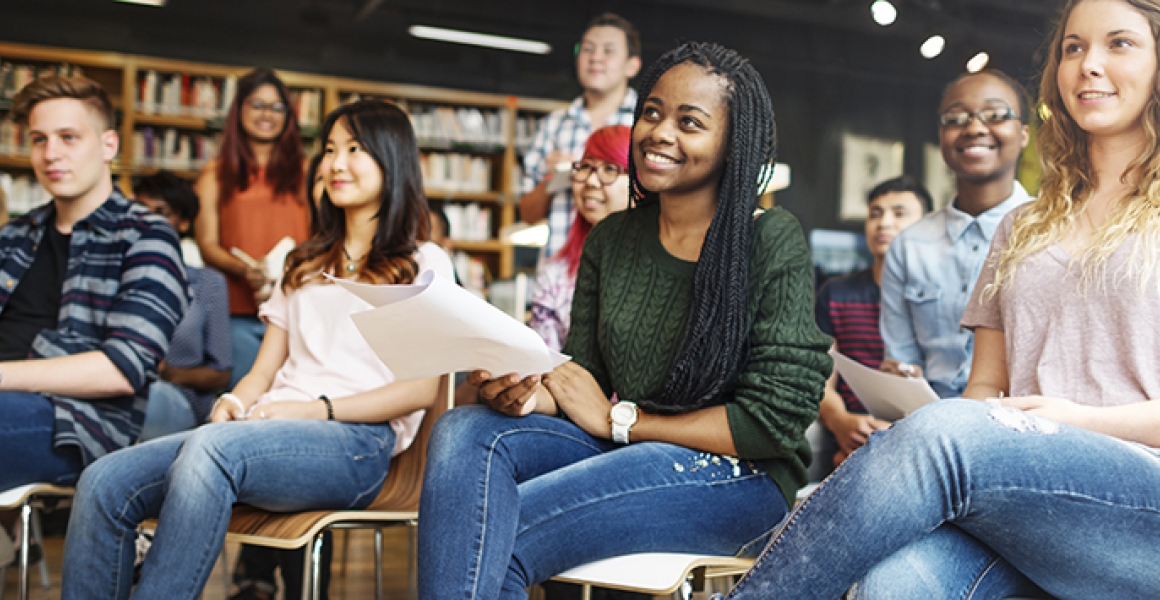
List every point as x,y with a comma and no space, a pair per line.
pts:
246,334
508,502
962,500
190,480
27,423
168,411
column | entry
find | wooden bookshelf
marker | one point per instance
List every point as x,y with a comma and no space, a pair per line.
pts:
122,76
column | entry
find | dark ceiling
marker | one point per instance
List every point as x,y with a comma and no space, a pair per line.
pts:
368,38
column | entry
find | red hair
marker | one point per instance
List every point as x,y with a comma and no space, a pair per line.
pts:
236,164
608,144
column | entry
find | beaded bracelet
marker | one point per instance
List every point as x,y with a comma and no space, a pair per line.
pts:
329,407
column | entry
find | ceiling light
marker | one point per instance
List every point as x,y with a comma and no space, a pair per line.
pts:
883,12
479,39
978,62
158,3
933,46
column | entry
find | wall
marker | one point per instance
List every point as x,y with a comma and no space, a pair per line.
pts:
824,80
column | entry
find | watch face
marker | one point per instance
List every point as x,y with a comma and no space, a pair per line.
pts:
623,414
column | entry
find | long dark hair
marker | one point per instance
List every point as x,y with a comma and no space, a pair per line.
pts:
384,132
717,331
237,165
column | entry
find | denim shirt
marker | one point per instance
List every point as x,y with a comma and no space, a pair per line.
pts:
930,272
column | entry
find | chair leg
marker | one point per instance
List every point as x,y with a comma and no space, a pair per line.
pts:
25,540
315,575
38,535
586,592
378,563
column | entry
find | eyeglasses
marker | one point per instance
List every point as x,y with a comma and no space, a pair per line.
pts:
258,106
606,173
987,116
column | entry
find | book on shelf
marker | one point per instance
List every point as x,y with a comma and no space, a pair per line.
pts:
183,95
13,139
169,149
454,172
445,125
13,76
469,222
23,193
472,272
307,106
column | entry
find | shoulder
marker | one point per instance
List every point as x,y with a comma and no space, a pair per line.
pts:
855,287
776,230
928,229
208,172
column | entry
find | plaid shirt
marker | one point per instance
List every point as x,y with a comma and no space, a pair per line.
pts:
566,130
124,293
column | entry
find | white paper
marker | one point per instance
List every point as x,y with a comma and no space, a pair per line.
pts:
433,326
887,397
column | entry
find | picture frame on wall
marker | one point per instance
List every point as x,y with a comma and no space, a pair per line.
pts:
866,162
937,176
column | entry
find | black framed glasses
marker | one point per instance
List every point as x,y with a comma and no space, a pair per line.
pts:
606,173
987,116
259,106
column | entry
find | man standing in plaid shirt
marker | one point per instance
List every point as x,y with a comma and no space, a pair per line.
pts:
608,56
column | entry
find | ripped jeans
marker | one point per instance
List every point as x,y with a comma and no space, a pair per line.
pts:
966,500
508,502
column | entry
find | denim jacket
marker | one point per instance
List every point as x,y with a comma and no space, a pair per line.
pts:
930,272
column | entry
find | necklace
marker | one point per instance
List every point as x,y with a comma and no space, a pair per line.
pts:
351,263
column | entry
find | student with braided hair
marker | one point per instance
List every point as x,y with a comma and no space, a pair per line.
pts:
696,367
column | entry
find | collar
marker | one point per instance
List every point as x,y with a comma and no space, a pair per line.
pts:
102,220
958,221
578,112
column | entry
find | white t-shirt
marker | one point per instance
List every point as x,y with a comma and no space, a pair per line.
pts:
327,354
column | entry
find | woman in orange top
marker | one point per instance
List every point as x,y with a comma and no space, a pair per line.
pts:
252,196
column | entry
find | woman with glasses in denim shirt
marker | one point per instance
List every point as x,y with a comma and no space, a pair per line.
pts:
599,187
932,266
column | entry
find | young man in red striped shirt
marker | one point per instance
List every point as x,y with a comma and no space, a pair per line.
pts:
847,309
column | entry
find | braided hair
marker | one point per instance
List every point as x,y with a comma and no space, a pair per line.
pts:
715,344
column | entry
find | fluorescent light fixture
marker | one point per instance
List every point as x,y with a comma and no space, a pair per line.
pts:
978,62
932,47
883,12
157,3
479,39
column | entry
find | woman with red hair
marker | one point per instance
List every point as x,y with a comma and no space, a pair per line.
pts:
252,196
600,187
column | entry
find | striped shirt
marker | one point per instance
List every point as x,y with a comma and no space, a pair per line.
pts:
567,131
847,310
124,292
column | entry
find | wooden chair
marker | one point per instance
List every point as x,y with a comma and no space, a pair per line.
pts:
29,499
396,504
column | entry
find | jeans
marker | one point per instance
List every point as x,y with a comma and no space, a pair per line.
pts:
27,423
246,334
168,411
509,502
962,500
190,480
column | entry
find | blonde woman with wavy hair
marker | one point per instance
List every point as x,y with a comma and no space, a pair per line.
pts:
1051,484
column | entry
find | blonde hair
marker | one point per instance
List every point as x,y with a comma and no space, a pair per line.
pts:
1068,181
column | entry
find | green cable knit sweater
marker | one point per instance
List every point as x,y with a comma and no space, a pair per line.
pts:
628,322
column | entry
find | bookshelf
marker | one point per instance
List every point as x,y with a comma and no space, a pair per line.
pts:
170,114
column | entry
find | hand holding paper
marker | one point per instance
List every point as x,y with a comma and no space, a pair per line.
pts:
433,326
887,397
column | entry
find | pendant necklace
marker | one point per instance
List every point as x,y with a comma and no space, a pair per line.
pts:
352,264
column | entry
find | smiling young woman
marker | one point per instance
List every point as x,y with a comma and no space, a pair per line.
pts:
678,425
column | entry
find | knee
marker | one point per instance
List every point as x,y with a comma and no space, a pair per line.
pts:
460,428
941,423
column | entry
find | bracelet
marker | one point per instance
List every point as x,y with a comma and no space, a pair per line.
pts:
232,398
329,407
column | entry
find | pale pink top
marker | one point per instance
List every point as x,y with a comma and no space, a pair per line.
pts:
327,355
1096,345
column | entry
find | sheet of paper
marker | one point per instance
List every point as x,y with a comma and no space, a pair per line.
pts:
887,397
433,326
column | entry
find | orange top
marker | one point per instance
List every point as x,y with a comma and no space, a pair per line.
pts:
254,221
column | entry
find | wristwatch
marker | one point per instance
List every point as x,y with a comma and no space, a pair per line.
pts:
623,416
